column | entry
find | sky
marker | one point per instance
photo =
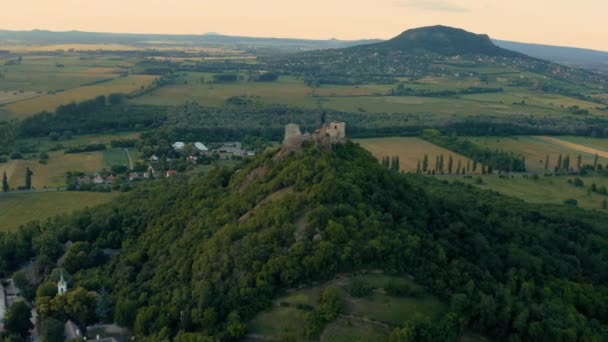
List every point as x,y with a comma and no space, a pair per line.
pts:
580,23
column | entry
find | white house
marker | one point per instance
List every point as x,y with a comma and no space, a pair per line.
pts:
178,145
201,147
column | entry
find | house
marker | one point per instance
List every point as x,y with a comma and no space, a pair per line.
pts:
200,147
193,159
84,180
178,145
250,153
151,170
71,331
98,180
154,158
146,175
171,173
133,176
110,180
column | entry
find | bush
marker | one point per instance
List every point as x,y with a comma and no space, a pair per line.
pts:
571,202
360,288
399,289
16,155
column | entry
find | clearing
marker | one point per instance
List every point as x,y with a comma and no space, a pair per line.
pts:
20,208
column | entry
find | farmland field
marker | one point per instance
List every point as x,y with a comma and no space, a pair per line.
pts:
545,190
19,208
46,144
53,173
536,149
410,151
51,101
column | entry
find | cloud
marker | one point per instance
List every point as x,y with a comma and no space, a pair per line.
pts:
432,5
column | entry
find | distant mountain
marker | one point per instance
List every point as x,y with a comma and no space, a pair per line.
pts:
586,58
152,40
442,40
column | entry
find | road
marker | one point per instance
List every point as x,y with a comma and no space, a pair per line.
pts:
131,166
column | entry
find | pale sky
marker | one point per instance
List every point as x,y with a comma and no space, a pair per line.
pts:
581,23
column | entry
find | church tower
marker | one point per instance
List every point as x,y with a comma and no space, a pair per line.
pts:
62,286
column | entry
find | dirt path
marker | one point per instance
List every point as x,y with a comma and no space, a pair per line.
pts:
130,159
577,147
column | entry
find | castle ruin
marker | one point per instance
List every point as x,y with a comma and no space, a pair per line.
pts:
329,134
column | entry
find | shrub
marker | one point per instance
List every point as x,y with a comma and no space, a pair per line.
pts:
571,201
360,288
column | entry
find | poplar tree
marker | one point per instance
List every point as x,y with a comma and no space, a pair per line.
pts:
5,186
450,164
28,178
425,163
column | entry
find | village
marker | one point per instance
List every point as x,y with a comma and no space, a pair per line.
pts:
184,157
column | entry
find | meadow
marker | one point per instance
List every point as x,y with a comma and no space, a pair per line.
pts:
545,189
410,151
19,208
368,318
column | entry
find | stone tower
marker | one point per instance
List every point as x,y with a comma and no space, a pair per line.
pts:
62,286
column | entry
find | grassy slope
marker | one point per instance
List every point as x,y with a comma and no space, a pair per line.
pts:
547,190
370,317
20,208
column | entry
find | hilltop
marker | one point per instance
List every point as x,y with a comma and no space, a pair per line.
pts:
202,256
441,40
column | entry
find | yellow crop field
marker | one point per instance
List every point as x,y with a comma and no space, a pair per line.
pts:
537,148
53,173
410,151
50,102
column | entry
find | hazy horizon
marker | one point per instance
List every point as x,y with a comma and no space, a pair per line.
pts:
542,21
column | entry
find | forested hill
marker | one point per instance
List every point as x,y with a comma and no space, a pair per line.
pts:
441,40
199,257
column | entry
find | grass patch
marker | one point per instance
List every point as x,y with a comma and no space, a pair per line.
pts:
20,208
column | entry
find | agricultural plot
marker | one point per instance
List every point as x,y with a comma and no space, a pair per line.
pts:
51,74
546,189
410,151
46,144
369,318
20,208
196,88
537,148
12,96
51,101
53,173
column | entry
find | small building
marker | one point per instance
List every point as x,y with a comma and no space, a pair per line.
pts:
110,180
154,158
133,176
62,286
178,145
98,179
200,147
84,180
171,173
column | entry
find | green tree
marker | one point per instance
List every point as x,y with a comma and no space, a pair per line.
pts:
5,187
547,163
579,163
18,320
425,163
595,161
52,330
558,166
28,178
103,306
450,164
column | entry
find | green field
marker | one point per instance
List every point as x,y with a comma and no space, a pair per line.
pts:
546,189
536,149
46,144
19,208
116,157
370,317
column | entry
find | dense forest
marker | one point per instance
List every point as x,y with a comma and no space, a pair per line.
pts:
197,258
